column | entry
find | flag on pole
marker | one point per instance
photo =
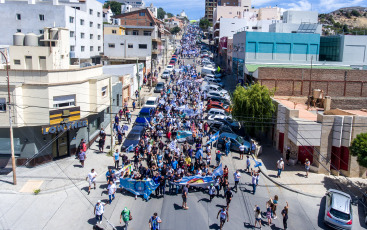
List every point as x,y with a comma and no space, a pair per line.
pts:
218,171
147,122
257,163
172,146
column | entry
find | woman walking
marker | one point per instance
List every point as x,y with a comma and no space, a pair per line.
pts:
257,216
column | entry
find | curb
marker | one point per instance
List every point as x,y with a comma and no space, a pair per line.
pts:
263,171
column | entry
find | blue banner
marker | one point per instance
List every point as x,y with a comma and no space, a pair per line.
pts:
139,187
200,181
182,135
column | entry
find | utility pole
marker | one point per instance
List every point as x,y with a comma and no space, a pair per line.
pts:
138,77
10,124
111,118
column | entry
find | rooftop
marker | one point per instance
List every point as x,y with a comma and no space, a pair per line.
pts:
253,67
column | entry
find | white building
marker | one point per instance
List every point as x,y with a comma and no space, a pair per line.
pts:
298,22
133,3
84,20
107,15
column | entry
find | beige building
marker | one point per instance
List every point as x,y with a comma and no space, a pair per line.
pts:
322,136
269,13
47,51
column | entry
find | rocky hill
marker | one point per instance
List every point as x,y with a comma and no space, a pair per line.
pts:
348,20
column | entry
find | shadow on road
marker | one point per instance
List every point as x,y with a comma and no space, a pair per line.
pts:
204,199
320,218
214,226
177,207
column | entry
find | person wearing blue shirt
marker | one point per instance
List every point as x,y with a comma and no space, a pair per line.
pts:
157,180
174,164
189,152
199,154
228,146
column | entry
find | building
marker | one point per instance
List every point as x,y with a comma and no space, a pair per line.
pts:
84,20
143,23
269,13
173,22
107,15
133,3
209,9
348,49
231,12
298,22
128,44
48,51
321,135
183,14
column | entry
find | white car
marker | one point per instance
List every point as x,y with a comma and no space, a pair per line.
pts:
151,102
165,74
211,77
170,67
215,82
222,94
218,112
211,87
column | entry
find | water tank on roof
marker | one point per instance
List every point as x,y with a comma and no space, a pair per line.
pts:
40,38
18,39
31,40
53,33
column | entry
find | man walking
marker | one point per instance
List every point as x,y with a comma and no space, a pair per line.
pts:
185,192
111,191
253,181
116,156
248,164
223,217
237,176
211,192
126,217
280,166
154,222
92,179
98,211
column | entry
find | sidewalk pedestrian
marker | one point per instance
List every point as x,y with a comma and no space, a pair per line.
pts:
257,216
185,192
126,217
253,181
274,206
134,104
287,155
217,157
285,216
98,211
307,166
237,176
111,191
154,222
248,164
116,158
82,157
211,192
228,146
92,179
223,216
242,151
280,166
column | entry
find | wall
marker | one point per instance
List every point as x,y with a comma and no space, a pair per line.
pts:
121,49
292,16
354,49
289,28
269,14
133,18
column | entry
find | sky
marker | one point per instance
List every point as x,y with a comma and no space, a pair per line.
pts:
195,8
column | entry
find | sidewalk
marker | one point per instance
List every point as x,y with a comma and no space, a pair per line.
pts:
293,177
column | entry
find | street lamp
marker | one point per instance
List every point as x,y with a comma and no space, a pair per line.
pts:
10,124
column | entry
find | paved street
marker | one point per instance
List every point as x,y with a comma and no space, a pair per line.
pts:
64,203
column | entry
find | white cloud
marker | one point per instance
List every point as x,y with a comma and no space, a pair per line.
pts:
327,6
302,5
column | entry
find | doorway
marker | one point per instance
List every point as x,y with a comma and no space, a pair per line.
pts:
61,146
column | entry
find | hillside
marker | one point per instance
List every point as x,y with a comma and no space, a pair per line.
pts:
349,20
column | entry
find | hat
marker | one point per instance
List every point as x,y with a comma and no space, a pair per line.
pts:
281,159
99,201
257,208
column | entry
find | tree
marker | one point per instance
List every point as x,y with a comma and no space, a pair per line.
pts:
355,13
253,106
169,15
175,30
345,28
161,13
115,7
204,23
358,148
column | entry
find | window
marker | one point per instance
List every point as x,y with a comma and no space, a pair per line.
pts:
99,37
114,31
99,26
130,46
81,22
42,31
147,33
64,101
151,24
135,32
99,48
143,46
142,14
90,36
91,48
42,17
19,30
81,35
90,24
2,104
82,48
104,91
90,11
111,45
71,19
72,48
19,17
72,34
16,62
98,14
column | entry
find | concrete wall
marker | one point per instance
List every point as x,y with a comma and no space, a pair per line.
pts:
269,14
55,15
298,17
122,50
354,49
289,28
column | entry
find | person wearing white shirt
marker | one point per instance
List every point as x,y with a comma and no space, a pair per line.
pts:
237,176
92,179
99,210
111,191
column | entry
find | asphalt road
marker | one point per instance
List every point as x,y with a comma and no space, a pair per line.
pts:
73,209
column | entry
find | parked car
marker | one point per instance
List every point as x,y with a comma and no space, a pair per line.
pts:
364,200
133,137
215,81
222,94
220,99
338,210
165,74
222,128
170,67
151,102
217,118
159,87
145,113
215,111
211,87
172,63
218,105
236,142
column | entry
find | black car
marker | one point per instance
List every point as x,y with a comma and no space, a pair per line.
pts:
159,87
134,136
222,128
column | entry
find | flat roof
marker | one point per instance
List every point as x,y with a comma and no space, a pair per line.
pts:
254,67
300,105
